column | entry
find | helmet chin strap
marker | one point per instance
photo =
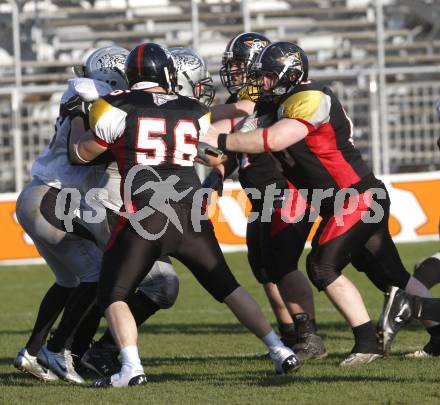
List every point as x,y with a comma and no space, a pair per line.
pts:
167,76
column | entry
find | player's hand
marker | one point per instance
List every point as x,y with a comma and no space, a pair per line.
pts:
74,106
209,155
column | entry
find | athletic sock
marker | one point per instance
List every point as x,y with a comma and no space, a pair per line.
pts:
85,332
141,307
426,308
50,308
80,302
433,346
428,271
130,357
365,339
272,340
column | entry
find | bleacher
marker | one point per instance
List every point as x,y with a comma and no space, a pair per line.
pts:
339,36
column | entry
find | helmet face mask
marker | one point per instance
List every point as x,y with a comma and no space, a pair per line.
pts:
105,64
278,69
241,52
193,77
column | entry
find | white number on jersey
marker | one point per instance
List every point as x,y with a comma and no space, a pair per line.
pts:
185,142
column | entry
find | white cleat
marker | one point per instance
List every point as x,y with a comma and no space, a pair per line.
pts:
60,363
284,359
419,354
29,364
127,377
358,359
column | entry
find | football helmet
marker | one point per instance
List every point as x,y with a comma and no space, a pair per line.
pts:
240,53
150,65
278,69
105,64
193,77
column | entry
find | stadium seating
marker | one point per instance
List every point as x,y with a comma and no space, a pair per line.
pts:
339,36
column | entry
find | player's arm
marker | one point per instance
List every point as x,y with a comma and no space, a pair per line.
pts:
83,147
277,137
241,108
107,124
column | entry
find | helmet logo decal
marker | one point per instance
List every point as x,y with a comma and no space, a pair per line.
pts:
256,44
291,59
108,61
187,62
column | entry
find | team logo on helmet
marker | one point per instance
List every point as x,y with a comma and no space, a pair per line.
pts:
291,59
187,61
256,44
108,61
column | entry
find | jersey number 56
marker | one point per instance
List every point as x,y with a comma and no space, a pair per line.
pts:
154,150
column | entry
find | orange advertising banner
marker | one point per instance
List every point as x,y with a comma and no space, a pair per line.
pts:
415,209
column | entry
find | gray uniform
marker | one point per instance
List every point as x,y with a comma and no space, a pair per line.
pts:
72,258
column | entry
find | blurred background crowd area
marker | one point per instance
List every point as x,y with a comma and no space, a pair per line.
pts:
382,57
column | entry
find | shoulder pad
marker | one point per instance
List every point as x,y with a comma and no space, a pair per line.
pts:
89,89
247,93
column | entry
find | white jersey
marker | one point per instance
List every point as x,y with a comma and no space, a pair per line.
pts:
110,184
53,166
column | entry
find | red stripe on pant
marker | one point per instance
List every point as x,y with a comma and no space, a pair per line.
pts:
343,222
294,208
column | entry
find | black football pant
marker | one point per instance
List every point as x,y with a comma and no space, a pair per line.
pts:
129,256
368,245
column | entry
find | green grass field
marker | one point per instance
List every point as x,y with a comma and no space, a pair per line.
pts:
197,353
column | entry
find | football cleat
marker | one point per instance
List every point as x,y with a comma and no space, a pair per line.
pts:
60,363
29,364
396,313
284,359
127,377
419,354
431,349
310,347
358,359
101,360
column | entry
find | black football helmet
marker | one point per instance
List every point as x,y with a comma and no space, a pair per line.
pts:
240,53
278,69
149,62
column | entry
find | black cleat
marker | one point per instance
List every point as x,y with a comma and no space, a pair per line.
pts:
290,364
396,313
138,380
310,347
107,382
101,360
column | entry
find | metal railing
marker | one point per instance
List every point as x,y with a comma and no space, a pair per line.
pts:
393,109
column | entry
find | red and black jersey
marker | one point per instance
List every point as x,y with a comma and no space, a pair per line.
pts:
326,157
157,131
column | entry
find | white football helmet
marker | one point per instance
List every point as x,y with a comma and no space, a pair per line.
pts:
193,78
105,64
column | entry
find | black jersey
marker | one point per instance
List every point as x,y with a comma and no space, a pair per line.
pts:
155,130
326,157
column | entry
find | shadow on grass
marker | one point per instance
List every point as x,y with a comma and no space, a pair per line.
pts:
325,329
16,378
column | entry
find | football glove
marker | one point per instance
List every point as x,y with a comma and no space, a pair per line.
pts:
74,106
205,151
